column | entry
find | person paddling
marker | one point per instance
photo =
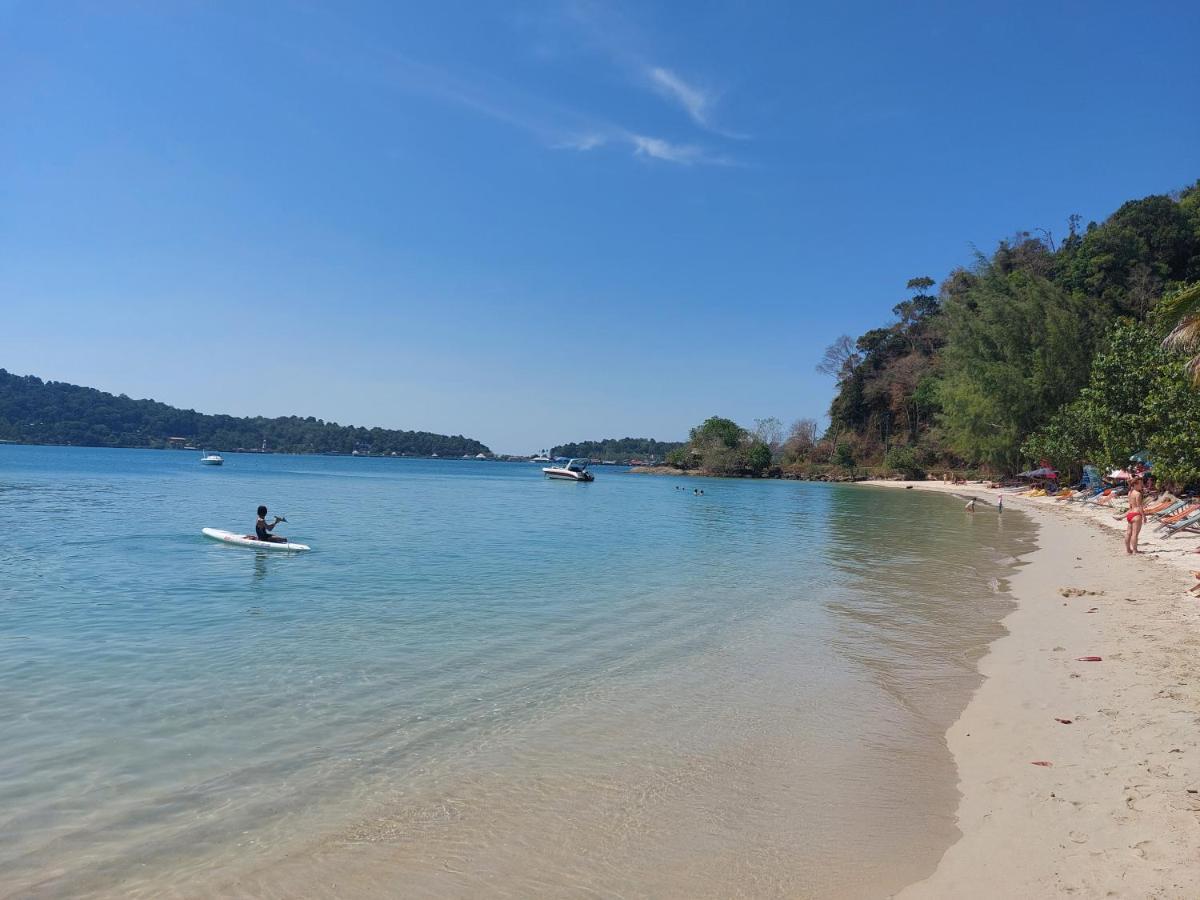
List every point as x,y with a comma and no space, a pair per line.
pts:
263,529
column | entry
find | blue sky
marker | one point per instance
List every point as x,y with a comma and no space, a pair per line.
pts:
548,221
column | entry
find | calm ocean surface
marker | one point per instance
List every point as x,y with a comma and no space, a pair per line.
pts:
480,682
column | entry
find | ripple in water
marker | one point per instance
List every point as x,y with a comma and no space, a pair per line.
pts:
479,681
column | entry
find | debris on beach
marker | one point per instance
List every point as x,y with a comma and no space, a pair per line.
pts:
1064,721
1041,762
1089,659
1079,592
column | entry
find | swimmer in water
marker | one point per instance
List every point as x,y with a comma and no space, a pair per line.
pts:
971,505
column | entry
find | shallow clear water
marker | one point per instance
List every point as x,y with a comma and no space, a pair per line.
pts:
479,680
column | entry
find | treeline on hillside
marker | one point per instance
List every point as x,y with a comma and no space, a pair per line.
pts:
49,412
720,446
1043,349
620,450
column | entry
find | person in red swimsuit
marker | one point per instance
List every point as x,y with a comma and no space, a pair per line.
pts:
1135,516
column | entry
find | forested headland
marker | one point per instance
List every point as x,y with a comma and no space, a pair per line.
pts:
1077,349
620,450
33,411
1045,349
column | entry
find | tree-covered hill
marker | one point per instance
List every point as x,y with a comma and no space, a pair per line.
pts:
966,372
50,412
619,449
719,446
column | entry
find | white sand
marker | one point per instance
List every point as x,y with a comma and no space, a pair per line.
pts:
1117,814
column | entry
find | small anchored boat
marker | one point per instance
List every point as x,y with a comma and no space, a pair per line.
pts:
574,470
212,459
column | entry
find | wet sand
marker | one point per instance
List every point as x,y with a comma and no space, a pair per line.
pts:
1116,812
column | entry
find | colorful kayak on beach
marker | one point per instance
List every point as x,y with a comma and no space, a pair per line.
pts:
241,540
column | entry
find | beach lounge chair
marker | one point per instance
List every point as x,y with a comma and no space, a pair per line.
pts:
1107,498
1166,522
1191,523
1173,506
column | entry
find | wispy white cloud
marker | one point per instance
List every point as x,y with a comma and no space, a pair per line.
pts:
647,146
581,142
558,127
554,125
613,35
695,101
684,154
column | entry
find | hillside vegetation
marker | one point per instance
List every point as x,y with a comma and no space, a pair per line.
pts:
1042,349
33,411
1076,351
620,450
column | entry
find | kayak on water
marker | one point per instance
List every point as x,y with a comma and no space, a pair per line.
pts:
242,540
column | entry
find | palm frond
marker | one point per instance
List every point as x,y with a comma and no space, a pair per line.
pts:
1192,367
1185,334
1181,312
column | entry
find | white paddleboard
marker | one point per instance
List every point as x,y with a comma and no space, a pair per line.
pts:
240,540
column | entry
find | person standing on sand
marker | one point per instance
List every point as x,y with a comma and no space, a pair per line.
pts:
1135,515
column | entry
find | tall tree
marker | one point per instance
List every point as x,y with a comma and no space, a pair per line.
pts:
1018,347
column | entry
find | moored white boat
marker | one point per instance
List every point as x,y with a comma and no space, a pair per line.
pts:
574,470
212,459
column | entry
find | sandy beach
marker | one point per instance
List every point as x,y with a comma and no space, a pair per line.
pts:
1079,777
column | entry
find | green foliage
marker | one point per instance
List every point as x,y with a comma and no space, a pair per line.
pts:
681,458
843,455
1018,348
1067,441
50,412
717,432
1180,312
904,461
620,450
885,392
722,447
1130,260
968,376
758,459
1138,397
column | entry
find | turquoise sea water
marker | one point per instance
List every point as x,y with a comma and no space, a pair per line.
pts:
479,681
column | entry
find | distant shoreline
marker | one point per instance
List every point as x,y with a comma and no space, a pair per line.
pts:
774,475
250,452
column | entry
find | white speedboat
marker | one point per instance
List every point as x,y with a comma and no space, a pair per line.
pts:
574,470
212,459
